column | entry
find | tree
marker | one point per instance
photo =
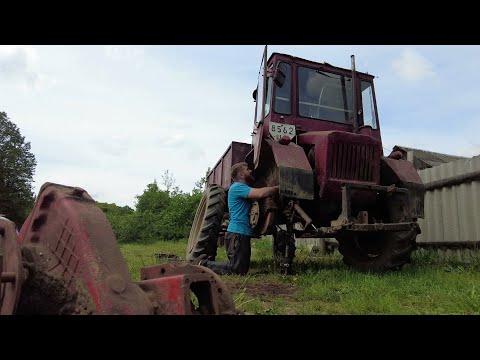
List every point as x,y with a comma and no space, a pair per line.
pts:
200,184
114,209
168,180
153,199
17,166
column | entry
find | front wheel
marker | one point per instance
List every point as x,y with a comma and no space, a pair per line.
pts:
283,250
377,252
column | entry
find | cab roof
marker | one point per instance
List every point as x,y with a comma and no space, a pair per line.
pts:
307,62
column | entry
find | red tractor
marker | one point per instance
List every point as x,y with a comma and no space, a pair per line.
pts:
317,134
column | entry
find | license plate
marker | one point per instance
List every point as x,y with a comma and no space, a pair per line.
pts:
277,131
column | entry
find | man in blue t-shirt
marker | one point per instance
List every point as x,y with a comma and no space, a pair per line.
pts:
239,231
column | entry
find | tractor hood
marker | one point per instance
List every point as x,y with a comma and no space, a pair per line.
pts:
340,157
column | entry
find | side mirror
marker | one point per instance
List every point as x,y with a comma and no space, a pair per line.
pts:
279,76
254,95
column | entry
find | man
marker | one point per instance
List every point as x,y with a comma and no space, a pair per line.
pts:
239,231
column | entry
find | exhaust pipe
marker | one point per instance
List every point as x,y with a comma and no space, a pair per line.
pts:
354,96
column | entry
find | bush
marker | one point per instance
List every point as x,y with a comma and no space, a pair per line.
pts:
159,215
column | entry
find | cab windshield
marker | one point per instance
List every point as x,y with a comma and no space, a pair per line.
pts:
324,95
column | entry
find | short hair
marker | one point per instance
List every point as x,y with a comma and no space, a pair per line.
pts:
237,168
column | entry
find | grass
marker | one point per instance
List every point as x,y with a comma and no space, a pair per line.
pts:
435,282
143,255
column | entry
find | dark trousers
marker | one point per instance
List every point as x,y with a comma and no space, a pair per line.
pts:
238,252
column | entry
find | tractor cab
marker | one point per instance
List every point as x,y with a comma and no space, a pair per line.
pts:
296,96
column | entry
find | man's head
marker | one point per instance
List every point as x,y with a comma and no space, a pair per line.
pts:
241,173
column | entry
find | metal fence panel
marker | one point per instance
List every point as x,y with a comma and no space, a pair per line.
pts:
452,213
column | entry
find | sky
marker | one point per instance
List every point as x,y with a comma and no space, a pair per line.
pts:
112,119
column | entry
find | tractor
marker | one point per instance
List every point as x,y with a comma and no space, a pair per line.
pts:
316,133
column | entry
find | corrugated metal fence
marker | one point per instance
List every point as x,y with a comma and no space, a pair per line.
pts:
452,213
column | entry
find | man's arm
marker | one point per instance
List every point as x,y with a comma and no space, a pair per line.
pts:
261,193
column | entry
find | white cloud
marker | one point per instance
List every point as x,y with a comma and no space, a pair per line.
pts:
412,66
115,185
115,146
18,64
126,53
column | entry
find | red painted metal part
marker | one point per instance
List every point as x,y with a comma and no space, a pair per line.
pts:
290,155
399,170
172,294
221,172
74,266
11,271
341,157
170,288
68,240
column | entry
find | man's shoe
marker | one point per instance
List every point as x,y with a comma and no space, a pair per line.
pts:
199,260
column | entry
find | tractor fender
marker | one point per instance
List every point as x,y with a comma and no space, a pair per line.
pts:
393,171
295,173
402,173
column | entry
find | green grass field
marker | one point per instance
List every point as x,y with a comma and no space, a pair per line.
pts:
435,282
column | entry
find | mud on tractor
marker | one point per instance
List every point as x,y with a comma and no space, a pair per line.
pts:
317,134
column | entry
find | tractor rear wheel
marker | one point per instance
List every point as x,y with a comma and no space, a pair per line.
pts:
207,224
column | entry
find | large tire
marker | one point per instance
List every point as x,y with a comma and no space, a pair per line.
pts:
377,252
207,224
381,251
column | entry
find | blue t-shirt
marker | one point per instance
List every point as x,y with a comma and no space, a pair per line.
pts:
239,207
